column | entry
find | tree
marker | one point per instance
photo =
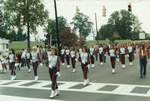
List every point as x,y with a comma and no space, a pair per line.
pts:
51,28
68,38
37,14
121,25
83,24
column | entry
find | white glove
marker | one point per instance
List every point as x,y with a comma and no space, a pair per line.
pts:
104,54
117,59
10,61
76,59
94,56
128,55
83,62
58,74
50,66
88,66
41,64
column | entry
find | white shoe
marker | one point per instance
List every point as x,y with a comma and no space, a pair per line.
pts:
52,94
123,66
101,63
68,66
56,92
63,64
29,70
130,63
36,78
93,65
12,77
113,71
84,83
74,70
87,81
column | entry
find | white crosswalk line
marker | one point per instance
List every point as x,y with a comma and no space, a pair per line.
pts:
14,98
93,87
20,83
124,89
121,89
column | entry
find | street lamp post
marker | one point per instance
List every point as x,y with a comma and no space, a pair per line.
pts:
28,25
57,26
96,28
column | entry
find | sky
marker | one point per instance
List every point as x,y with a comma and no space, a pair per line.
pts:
67,8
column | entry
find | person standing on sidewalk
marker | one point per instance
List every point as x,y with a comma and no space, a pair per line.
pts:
54,71
68,57
143,60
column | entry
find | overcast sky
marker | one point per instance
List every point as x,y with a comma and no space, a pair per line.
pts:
67,8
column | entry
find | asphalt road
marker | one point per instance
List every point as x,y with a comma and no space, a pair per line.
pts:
124,85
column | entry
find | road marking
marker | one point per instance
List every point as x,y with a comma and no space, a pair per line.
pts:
121,89
14,98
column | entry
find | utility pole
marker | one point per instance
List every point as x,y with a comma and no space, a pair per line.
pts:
96,28
57,27
28,25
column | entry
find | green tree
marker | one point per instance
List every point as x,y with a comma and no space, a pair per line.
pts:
121,25
37,13
50,29
83,24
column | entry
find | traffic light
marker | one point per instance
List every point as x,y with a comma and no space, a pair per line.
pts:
129,8
77,11
1,18
21,20
104,11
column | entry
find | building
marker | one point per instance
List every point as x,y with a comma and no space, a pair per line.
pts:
4,47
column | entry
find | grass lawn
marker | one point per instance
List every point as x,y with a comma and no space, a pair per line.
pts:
19,45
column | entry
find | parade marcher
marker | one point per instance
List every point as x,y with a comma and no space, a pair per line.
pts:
100,50
92,55
73,58
28,58
105,52
122,52
23,63
143,60
43,53
96,51
35,61
11,59
63,56
17,62
54,68
3,60
130,53
113,55
68,57
84,58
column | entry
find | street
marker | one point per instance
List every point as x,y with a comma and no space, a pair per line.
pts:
124,85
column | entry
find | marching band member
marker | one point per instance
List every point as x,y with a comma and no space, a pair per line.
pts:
130,52
112,53
105,50
92,55
43,53
122,52
35,60
73,58
68,57
11,59
63,56
28,58
84,58
101,54
54,68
